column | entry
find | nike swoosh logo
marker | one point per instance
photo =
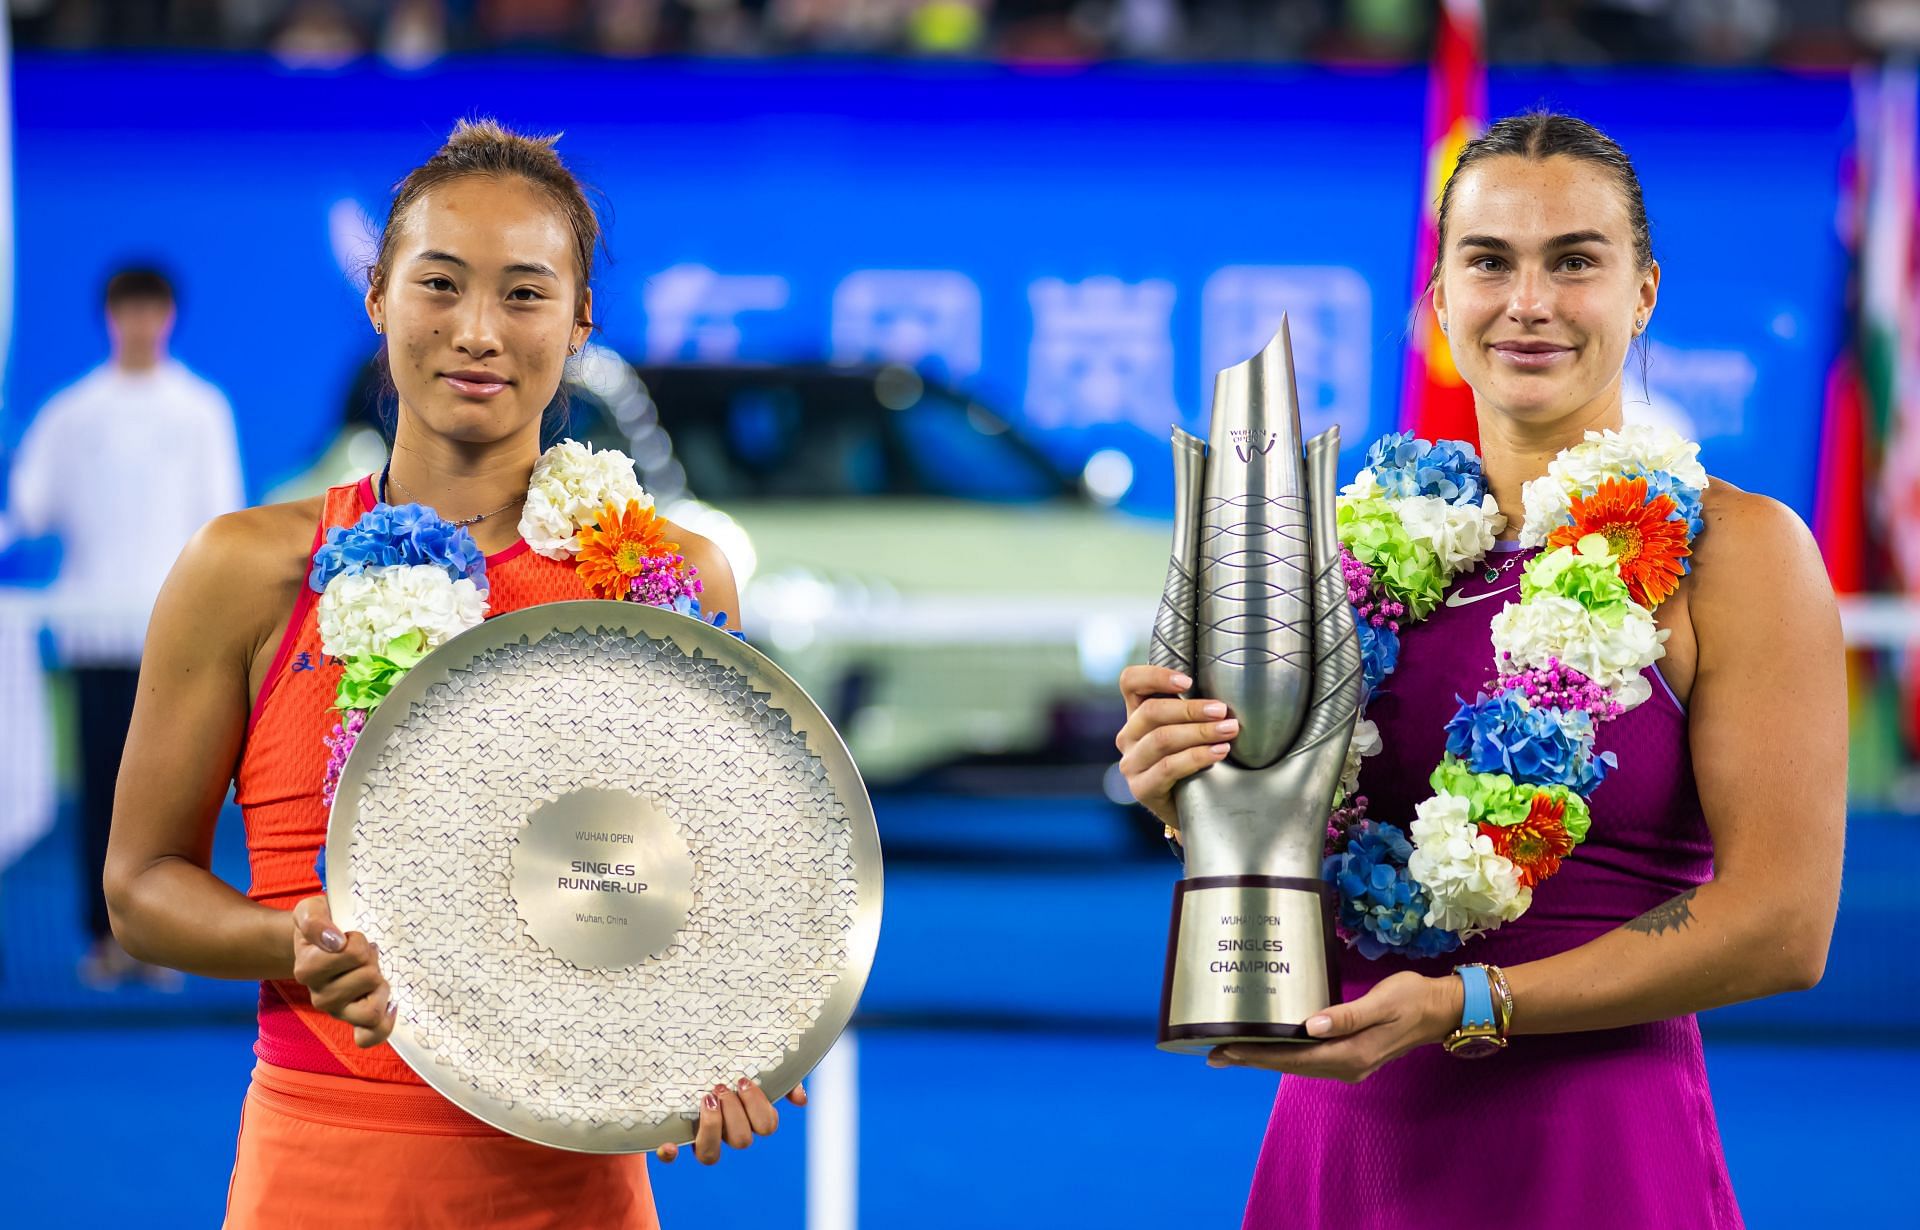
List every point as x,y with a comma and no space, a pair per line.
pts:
1454,598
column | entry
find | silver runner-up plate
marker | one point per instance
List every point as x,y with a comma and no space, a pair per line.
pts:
612,857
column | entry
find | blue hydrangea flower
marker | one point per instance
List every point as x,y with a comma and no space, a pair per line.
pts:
1379,654
1449,469
1536,746
719,621
1432,942
1381,906
388,534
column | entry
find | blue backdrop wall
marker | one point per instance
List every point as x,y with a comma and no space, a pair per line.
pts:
1082,250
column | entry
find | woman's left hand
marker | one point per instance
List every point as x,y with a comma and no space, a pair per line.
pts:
1402,1012
734,1115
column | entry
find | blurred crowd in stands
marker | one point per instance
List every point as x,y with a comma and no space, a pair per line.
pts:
415,32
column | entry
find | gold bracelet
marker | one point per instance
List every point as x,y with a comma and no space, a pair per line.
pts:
1502,997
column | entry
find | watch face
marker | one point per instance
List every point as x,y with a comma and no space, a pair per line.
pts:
1477,1046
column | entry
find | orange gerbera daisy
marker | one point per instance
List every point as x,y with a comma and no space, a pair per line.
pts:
1638,532
612,551
1536,845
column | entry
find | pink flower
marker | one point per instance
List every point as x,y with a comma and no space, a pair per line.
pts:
665,580
1371,604
339,744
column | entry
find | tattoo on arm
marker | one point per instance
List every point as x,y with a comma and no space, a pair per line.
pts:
1670,916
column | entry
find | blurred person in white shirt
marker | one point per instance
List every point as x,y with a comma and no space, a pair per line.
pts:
122,466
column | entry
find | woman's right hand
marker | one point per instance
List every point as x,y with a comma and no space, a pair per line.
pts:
1166,739
342,972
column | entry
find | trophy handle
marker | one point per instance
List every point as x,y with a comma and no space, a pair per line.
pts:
1338,683
1172,643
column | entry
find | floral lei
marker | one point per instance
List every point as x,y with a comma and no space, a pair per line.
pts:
401,581
1617,515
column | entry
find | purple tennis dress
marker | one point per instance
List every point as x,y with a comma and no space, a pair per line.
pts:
1589,1131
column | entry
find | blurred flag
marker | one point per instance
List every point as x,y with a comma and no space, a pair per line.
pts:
1435,403
1870,441
1840,523
1890,311
1840,498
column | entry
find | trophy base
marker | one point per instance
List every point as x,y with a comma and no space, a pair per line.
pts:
1249,959
1199,1039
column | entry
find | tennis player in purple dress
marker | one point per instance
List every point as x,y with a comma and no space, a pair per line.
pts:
1711,870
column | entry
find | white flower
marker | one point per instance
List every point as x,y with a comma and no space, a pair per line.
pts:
546,526
1363,487
1637,447
1634,692
1365,742
360,614
1612,654
1548,504
1470,887
571,485
1460,535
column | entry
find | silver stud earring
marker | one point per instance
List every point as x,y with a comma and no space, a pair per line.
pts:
378,327
1443,326
1639,324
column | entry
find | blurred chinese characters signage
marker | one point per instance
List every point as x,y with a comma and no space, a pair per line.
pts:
1079,252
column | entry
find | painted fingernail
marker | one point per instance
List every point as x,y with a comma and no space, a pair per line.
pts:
710,1102
332,940
1213,709
1181,682
743,1084
393,1009
1230,726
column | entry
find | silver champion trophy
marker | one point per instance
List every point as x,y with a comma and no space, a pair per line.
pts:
612,857
1255,613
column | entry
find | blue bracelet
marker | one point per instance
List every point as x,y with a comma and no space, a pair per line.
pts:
1476,1001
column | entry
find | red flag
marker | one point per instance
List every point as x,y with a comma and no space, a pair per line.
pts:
1840,509
1435,403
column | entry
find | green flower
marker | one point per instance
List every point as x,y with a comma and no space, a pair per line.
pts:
1497,799
1589,575
367,678
1486,793
1578,818
1405,567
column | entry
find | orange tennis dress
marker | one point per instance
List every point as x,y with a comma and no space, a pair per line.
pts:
339,1137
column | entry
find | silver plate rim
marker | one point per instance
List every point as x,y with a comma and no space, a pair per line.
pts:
694,637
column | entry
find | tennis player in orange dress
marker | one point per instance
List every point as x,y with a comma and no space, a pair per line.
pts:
481,290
